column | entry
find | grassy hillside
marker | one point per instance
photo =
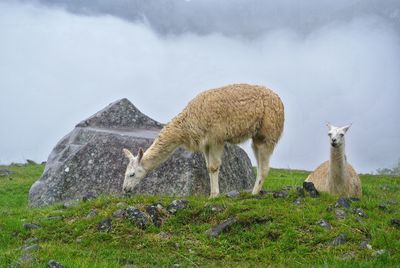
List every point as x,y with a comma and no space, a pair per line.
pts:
268,230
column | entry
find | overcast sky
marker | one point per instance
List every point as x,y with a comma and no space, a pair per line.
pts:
337,61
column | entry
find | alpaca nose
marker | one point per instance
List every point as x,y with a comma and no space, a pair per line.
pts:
334,140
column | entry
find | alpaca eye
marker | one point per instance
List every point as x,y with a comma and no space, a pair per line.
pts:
132,175
341,135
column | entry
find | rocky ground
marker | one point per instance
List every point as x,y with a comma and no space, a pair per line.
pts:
288,224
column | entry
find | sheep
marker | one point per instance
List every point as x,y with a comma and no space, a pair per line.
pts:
231,114
336,176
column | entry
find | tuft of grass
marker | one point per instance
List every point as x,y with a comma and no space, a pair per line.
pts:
268,232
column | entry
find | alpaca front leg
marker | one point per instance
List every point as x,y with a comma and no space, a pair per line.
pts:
213,156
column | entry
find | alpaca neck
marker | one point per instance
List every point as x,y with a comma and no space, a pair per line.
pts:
163,146
337,166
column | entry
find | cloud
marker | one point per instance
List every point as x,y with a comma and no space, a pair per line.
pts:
58,68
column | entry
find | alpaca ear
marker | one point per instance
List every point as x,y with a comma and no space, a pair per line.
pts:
329,125
128,154
345,128
140,154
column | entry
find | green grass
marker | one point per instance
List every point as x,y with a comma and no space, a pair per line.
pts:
269,231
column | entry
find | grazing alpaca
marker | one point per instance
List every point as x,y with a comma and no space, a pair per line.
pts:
231,114
336,176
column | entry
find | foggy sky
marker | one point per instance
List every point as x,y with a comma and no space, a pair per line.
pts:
336,61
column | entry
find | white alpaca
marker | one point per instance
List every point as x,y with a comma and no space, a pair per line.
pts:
230,114
336,176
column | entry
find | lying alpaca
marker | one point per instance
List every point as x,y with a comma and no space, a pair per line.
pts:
336,176
231,114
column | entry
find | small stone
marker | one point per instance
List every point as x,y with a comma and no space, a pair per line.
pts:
298,201
30,162
329,208
383,206
340,214
232,194
365,245
31,226
92,213
339,240
224,225
378,252
395,222
164,236
71,203
280,194
156,214
360,212
54,264
26,260
55,218
177,205
119,213
349,255
324,224
5,172
310,188
137,217
30,248
300,191
343,202
215,208
31,240
105,225
176,265
88,197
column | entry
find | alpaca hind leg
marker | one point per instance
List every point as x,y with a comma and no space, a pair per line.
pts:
213,160
262,155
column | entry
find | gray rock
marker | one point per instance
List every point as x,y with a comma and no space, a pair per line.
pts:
310,188
119,213
378,252
71,203
395,222
215,208
137,217
55,218
339,240
30,248
340,214
30,226
177,205
54,264
360,212
365,245
280,194
298,201
343,202
5,172
233,194
224,225
324,224
105,225
89,161
31,240
26,260
92,213
349,255
156,213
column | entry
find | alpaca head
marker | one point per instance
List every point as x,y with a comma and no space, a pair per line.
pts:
134,171
336,135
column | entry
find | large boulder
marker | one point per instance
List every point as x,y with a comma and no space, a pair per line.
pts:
89,161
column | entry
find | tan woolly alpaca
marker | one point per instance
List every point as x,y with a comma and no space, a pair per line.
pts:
230,114
336,176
